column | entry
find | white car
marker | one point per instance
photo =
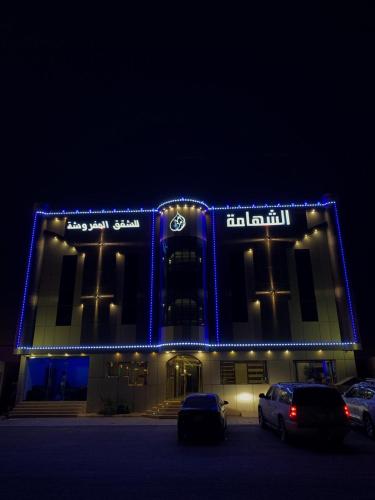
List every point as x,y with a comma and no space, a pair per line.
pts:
304,409
360,399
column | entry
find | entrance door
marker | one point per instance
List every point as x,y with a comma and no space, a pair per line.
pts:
184,376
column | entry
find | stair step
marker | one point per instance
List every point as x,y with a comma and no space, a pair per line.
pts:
48,409
166,409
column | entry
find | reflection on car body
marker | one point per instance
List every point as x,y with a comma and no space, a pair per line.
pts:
361,402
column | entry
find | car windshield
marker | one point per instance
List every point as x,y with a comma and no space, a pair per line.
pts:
317,396
203,402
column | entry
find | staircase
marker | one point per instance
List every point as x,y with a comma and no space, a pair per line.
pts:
25,409
167,409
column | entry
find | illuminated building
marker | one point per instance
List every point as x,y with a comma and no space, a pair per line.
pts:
139,306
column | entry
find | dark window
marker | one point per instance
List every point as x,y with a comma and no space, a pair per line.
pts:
280,272
238,288
203,402
270,392
352,393
182,291
261,268
133,372
285,396
108,271
365,393
306,288
184,312
321,372
317,396
242,372
129,303
89,279
66,291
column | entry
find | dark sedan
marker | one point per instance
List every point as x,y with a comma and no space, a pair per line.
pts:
202,415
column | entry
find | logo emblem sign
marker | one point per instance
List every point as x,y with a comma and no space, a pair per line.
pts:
177,223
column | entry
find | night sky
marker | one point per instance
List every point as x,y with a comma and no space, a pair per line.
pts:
124,109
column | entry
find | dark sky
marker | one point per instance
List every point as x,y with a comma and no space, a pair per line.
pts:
127,109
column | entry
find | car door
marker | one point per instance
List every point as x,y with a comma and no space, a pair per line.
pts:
353,402
370,403
265,404
274,406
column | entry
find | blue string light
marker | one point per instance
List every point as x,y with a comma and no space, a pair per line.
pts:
197,345
27,282
153,211
152,278
215,277
346,278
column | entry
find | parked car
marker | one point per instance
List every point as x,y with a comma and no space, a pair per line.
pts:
306,410
361,402
343,385
202,415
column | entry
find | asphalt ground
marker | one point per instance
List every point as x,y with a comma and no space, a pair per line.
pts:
141,461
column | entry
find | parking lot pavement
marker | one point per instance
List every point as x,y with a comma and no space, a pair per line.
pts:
145,461
106,421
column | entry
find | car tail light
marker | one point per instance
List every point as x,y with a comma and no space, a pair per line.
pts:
346,411
293,412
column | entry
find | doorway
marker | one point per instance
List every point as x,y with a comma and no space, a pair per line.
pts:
184,376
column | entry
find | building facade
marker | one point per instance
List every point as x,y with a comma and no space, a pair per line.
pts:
133,307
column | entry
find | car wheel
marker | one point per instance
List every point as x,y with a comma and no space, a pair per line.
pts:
368,424
261,419
283,433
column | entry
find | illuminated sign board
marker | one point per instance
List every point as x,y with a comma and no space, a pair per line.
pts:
103,224
271,219
177,223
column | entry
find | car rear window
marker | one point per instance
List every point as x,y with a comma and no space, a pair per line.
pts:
317,396
200,402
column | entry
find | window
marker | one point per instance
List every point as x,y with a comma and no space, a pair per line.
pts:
183,256
134,372
66,291
275,394
365,393
242,372
321,372
285,396
352,393
306,287
130,290
184,311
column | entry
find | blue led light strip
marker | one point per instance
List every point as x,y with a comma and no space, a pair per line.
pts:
306,204
346,278
169,345
215,277
27,282
94,212
152,268
184,200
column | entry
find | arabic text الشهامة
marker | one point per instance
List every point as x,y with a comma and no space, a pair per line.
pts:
272,219
104,224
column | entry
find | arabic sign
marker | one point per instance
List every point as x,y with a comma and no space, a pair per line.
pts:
272,219
104,224
177,223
